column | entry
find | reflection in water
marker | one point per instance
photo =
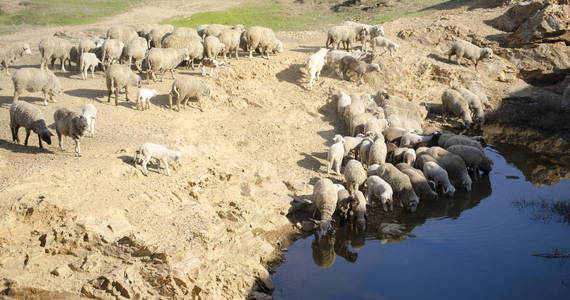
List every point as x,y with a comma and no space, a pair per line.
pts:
323,250
545,210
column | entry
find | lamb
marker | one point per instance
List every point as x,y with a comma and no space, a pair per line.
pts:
164,59
439,175
454,165
476,88
158,152
8,54
377,154
380,189
409,157
461,48
393,133
473,158
136,50
118,77
413,140
325,197
343,100
401,185
68,123
85,46
35,80
186,88
373,30
315,64
213,47
349,63
156,35
213,64
474,102
333,57
364,149
52,48
24,114
354,175
112,52
453,102
230,37
346,35
359,209
264,38
88,61
123,33
335,154
89,112
352,143
419,182
143,98
385,43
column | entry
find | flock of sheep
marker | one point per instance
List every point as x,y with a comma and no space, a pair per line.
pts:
385,153
151,49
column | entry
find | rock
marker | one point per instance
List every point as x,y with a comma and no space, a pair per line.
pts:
517,14
62,271
535,62
547,23
295,185
254,295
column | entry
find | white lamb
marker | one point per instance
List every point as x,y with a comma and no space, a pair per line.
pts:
315,64
385,43
90,113
88,61
143,98
439,175
335,154
159,152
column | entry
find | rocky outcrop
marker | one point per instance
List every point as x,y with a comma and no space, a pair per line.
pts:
547,24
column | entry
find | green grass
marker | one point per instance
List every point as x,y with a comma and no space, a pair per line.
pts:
59,12
287,16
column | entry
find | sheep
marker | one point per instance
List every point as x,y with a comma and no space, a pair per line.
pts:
123,33
380,189
164,59
346,35
395,155
343,204
357,122
460,140
421,159
112,52
419,182
86,45
439,175
185,31
118,77
377,154
213,64
476,88
400,121
8,54
264,38
230,37
351,110
143,98
354,175
413,140
352,143
333,57
473,101
454,165
325,197
473,157
68,123
412,111
335,154
194,45
453,102
343,100
461,48
35,80
315,64
401,185
376,126
420,150
349,63
156,35
186,88
88,61
217,29
52,48
158,152
359,209
90,113
385,43
213,47
364,149
136,50
393,133
373,30
24,114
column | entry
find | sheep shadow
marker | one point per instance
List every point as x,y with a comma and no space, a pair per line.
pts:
39,101
87,93
440,58
20,148
309,162
127,159
6,99
306,49
161,101
293,74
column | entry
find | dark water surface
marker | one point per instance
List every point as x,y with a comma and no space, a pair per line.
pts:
473,246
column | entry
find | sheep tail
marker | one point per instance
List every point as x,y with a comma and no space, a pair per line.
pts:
176,91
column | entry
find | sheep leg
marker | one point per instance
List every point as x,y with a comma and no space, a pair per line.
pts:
40,140
127,92
5,65
250,53
92,127
53,63
15,137
165,161
92,72
237,56
172,73
135,158
60,139
45,99
116,95
77,147
144,163
16,95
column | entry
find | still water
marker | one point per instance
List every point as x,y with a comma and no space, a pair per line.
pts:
472,246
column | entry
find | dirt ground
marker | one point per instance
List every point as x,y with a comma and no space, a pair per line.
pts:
95,226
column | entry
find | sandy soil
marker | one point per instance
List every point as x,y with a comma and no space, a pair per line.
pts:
95,226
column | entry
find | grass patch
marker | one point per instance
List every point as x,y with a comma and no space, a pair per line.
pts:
301,15
59,12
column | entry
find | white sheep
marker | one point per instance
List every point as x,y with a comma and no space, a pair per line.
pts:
352,143
158,152
90,113
413,139
439,175
8,54
68,123
52,48
343,100
453,102
359,209
333,57
349,63
164,59
346,35
409,157
454,165
186,88
376,125
373,30
143,98
263,38
364,149
231,37
461,48
157,33
474,103
36,80
24,114
401,185
354,175
477,88
136,50
454,139
385,43
380,189
123,33
112,52
118,77
213,47
377,154
335,154
419,182
325,197
315,64
473,158
88,61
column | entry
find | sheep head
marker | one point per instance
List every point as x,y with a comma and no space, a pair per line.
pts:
487,52
46,136
373,67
